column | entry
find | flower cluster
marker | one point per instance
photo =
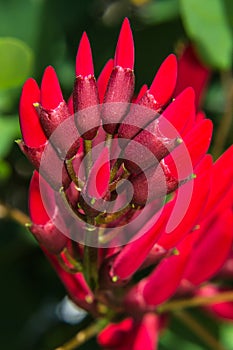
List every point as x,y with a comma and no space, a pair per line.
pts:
123,185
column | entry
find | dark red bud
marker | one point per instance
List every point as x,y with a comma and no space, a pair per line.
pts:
155,146
49,236
86,106
46,161
33,154
118,95
140,114
51,118
153,183
60,127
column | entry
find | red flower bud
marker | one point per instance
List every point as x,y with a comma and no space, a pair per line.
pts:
121,83
85,92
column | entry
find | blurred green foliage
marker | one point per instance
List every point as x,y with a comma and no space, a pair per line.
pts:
37,33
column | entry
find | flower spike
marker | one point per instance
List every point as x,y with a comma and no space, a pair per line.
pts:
51,94
125,203
124,55
84,62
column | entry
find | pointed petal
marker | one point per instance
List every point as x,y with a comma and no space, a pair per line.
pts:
198,140
103,79
31,129
190,152
164,81
215,243
75,284
201,185
51,94
222,180
164,280
181,110
141,93
124,55
125,264
84,62
43,216
37,210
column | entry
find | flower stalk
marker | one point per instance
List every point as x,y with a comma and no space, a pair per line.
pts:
180,304
84,335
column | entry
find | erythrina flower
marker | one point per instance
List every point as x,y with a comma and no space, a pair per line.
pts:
123,183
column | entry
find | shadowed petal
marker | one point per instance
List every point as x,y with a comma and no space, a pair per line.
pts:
103,79
98,179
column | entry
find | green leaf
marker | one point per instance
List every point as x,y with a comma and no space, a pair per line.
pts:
160,11
16,61
9,130
206,24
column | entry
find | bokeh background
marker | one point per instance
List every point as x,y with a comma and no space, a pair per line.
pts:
38,33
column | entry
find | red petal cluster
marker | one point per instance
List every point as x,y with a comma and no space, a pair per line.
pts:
181,241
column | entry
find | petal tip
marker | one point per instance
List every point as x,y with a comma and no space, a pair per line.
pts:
51,94
164,81
84,62
124,55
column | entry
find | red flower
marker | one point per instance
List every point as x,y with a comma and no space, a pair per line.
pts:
123,184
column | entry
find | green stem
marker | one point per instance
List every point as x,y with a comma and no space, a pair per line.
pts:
90,259
84,335
69,166
14,214
177,305
88,156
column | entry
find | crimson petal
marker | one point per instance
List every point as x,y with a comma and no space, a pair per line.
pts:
84,62
124,55
32,132
51,94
